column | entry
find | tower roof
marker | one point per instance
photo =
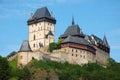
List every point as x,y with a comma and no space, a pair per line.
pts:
25,46
72,30
105,41
42,13
73,21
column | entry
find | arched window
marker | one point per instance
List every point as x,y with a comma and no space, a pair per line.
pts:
34,37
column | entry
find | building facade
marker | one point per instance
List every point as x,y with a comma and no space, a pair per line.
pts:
76,48
41,28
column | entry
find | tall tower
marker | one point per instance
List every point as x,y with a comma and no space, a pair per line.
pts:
41,28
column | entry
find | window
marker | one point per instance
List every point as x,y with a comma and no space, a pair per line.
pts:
76,51
36,24
33,45
72,50
84,57
76,55
21,57
65,49
72,54
80,51
80,55
34,37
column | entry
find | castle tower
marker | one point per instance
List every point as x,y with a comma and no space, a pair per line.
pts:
41,28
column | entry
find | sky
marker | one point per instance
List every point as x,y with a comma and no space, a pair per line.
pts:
98,17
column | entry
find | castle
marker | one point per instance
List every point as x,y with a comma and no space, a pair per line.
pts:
76,48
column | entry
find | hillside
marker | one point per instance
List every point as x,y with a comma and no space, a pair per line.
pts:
50,70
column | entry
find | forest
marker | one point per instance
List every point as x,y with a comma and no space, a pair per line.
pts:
51,70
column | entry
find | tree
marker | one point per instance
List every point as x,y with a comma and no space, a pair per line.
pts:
52,46
4,69
11,54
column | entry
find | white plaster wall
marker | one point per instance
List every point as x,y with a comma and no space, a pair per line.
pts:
40,30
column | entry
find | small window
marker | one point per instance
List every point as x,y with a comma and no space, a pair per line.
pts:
84,57
76,51
21,57
34,37
80,51
72,50
76,55
72,54
80,55
33,45
65,49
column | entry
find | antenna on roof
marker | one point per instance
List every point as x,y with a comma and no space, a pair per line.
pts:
31,15
51,14
73,21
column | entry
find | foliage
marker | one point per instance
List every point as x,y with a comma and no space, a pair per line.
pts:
11,54
51,70
4,69
59,43
66,71
54,46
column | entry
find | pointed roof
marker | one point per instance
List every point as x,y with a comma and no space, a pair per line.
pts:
42,13
73,21
97,39
77,40
50,33
25,46
105,41
72,30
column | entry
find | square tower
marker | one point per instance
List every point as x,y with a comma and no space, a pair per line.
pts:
41,28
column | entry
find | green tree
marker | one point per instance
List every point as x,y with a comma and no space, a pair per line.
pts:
59,43
11,54
4,69
52,46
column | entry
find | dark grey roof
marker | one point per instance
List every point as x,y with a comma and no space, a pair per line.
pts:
105,42
25,46
72,30
97,39
89,39
42,13
50,33
77,40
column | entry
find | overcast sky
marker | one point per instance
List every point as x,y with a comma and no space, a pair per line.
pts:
98,17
